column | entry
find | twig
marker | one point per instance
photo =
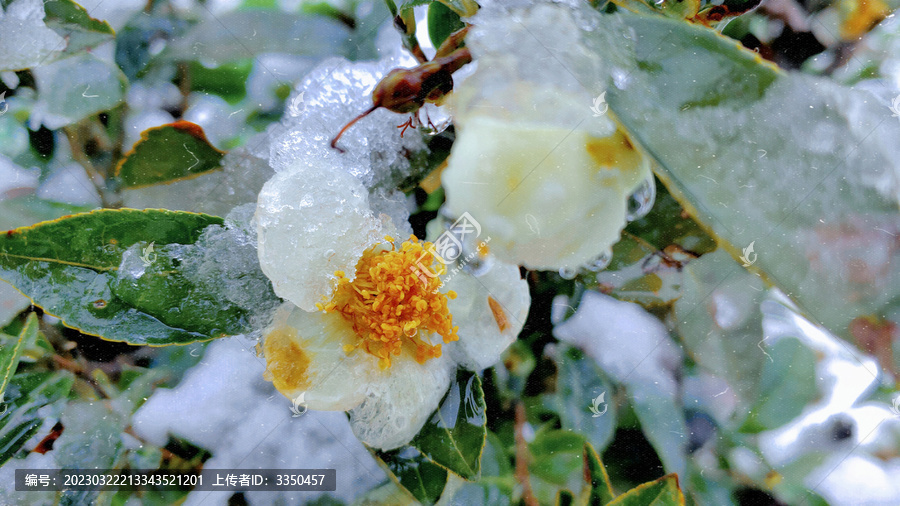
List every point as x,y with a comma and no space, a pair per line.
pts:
522,458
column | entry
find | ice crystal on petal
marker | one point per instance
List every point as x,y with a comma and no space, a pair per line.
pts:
398,405
313,220
490,311
25,41
335,92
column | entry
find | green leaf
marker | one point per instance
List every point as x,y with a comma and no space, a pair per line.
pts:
565,498
227,81
639,273
26,393
239,35
77,87
662,492
70,267
556,463
454,436
785,162
496,484
662,422
442,21
720,322
595,474
168,153
73,23
647,262
409,4
788,384
134,40
578,382
12,351
424,479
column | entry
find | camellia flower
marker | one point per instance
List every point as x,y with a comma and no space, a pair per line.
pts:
370,327
538,159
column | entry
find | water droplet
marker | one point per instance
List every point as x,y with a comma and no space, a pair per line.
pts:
568,272
599,263
99,303
328,254
620,78
641,201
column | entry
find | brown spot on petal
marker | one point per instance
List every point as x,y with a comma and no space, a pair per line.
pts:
876,336
499,314
287,363
614,152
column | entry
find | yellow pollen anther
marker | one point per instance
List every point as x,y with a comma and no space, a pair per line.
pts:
394,302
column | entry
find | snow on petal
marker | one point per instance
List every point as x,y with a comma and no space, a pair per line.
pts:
490,310
549,197
547,174
305,355
25,41
313,220
332,94
399,403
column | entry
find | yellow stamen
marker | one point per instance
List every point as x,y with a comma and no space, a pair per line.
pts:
394,300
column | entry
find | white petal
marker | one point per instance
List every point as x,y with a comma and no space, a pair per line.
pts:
312,221
305,355
481,339
540,195
399,404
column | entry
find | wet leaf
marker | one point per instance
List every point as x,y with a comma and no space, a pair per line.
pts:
565,498
662,422
578,382
454,436
788,384
69,267
424,479
242,34
72,22
227,81
640,273
556,462
495,486
720,322
595,475
25,394
11,351
442,21
134,40
647,261
797,166
662,492
166,154
75,88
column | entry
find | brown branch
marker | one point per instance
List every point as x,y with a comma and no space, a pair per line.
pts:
522,457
